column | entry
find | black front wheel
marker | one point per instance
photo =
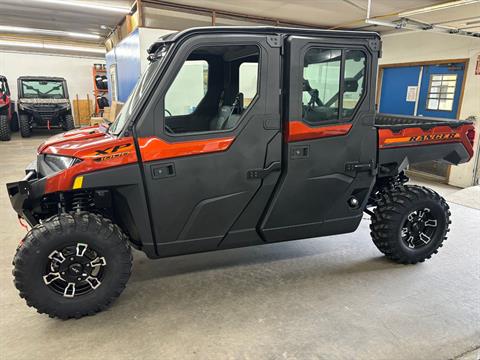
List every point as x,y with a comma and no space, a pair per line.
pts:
25,128
68,123
72,265
410,223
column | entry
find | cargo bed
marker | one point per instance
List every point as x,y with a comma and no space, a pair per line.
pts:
404,140
399,122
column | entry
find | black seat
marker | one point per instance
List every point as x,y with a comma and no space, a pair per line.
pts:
228,115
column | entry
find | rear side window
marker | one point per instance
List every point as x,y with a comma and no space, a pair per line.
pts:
248,81
333,84
321,85
353,81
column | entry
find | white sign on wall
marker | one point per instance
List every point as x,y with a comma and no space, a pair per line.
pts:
412,93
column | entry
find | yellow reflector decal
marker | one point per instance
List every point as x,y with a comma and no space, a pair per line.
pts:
77,184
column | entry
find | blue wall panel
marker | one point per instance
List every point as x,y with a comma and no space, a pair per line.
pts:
395,82
127,55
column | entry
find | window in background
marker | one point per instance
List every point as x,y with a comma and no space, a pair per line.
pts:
441,92
113,82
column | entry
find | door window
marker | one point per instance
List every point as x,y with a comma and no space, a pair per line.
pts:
321,85
212,89
441,92
328,94
188,89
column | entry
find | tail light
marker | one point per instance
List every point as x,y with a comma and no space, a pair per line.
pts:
471,136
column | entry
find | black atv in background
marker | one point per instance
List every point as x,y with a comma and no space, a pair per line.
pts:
43,103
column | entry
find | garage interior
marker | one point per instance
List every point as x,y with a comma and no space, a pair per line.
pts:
330,298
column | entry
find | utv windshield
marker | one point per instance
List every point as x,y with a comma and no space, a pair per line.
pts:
48,89
138,92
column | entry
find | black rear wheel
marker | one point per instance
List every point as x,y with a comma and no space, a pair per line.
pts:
410,223
72,265
24,122
4,128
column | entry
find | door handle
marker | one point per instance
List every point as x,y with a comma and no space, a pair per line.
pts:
263,173
163,171
357,167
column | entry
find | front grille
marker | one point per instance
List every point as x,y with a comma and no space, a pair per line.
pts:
46,112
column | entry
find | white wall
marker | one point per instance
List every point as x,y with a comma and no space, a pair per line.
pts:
76,70
425,46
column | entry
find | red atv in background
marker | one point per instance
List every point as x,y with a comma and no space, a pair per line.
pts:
8,115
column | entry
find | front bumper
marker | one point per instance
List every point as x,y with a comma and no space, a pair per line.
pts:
46,116
26,193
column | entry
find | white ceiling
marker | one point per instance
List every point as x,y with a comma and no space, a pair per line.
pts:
326,13
320,13
34,14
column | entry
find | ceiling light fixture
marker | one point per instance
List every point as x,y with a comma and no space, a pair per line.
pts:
93,6
443,6
41,45
17,29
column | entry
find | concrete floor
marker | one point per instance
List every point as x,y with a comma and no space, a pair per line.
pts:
330,298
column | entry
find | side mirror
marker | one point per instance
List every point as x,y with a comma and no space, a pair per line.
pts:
350,85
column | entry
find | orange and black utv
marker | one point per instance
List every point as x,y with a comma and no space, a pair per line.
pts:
233,137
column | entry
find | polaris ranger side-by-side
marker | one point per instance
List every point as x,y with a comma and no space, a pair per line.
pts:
43,103
233,137
8,115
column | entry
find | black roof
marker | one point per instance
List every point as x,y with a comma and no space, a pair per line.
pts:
41,78
267,30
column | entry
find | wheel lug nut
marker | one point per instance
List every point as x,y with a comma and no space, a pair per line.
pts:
71,259
79,278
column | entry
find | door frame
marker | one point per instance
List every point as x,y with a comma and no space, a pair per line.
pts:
381,68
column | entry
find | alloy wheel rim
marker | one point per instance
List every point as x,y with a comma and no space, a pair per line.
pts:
74,270
419,228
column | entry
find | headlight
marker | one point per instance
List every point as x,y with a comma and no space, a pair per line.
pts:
58,163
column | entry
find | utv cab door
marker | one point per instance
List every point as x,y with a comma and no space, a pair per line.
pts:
212,165
329,157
